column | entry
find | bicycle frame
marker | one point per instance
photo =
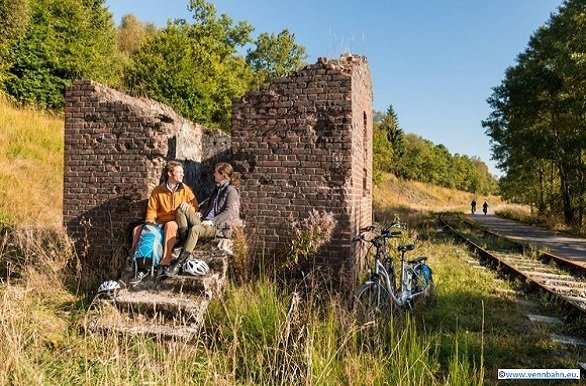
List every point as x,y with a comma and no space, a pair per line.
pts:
410,274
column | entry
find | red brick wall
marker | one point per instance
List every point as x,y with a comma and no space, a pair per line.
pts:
303,142
116,148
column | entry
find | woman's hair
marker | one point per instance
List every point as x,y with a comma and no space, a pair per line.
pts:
227,171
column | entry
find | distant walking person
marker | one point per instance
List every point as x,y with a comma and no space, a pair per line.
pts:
485,208
473,206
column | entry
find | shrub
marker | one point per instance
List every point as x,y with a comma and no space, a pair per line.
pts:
307,236
241,256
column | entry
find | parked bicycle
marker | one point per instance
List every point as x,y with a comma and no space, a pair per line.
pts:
381,292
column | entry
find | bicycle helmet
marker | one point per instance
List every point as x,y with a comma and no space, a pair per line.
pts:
109,288
196,267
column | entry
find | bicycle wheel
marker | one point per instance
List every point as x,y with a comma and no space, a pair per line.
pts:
372,300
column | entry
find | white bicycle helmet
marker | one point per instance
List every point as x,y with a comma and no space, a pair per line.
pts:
196,267
109,288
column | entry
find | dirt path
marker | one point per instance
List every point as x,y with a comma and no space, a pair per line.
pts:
571,248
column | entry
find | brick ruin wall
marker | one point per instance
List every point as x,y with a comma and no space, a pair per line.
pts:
116,147
305,142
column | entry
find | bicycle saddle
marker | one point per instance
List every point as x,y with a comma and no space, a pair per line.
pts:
406,247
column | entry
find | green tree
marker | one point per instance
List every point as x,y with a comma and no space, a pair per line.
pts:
14,15
382,160
537,125
424,161
65,39
194,67
388,146
395,135
133,33
275,56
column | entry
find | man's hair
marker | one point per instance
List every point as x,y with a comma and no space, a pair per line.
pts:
172,165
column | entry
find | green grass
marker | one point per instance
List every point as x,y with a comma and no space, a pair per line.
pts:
260,333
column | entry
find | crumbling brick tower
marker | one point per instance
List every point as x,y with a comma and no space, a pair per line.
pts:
304,142
116,148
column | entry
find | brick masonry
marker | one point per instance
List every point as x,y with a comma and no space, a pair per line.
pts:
116,147
303,142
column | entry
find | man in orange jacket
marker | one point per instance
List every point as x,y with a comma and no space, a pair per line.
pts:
164,201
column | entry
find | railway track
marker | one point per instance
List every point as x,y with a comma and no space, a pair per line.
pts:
555,275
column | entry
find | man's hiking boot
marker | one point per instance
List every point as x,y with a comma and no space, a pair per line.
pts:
175,268
140,275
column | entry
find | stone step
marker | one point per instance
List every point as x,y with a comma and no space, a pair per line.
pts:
144,327
160,305
209,285
162,308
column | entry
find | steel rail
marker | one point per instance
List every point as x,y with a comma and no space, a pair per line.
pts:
561,261
562,286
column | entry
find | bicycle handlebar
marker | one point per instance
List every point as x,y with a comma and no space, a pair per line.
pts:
385,233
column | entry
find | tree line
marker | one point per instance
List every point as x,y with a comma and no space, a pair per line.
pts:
195,66
538,121
412,157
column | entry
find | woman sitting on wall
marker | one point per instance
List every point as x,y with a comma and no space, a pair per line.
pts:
216,215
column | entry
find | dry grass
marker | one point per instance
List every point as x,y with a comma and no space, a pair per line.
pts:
31,166
410,200
258,334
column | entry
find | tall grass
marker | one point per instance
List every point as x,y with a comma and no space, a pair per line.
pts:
31,166
263,333
260,332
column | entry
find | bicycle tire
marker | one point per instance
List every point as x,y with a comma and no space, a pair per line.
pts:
372,300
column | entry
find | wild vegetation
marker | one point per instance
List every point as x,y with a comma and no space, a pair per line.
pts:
411,157
262,332
538,125
31,167
193,66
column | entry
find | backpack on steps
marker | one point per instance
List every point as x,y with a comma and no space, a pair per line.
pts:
149,249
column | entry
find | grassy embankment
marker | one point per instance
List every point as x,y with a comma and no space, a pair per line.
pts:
31,167
257,334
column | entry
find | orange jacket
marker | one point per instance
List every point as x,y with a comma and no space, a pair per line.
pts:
163,203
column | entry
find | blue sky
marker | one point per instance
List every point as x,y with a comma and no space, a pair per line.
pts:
435,61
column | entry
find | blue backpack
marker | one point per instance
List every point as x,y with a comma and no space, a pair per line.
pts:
149,249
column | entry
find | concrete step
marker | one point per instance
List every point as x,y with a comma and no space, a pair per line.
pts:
209,285
160,304
571,340
162,308
124,325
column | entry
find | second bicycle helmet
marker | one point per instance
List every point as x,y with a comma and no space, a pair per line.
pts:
109,288
196,267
